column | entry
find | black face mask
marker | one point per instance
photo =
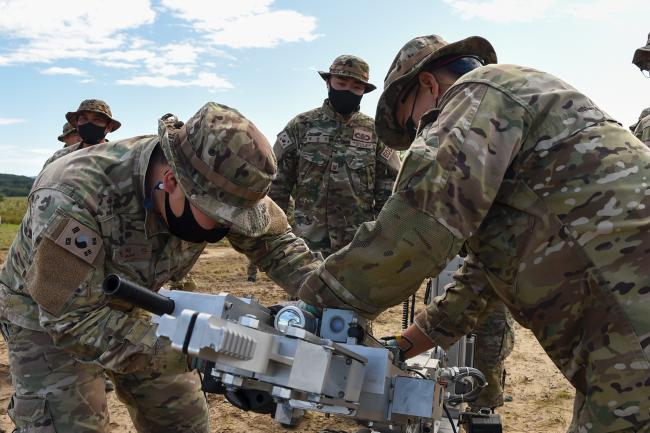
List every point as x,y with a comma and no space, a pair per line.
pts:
343,101
91,133
410,126
186,227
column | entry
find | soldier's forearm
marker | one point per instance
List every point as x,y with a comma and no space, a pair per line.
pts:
386,262
114,339
414,342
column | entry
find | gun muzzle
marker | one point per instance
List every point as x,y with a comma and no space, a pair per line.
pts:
116,286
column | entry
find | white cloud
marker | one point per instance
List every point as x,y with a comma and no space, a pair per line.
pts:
501,10
69,28
47,32
23,161
56,70
5,121
244,23
204,79
521,11
603,10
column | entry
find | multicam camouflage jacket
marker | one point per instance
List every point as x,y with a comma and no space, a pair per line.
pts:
63,152
86,219
336,170
642,130
551,198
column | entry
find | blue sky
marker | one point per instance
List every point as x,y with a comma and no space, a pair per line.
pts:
149,57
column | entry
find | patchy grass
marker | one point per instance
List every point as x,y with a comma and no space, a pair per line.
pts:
12,209
7,235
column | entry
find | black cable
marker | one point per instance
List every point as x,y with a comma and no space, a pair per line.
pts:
427,291
451,421
416,372
405,314
205,394
412,318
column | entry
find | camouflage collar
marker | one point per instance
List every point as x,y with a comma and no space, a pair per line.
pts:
334,115
153,225
428,117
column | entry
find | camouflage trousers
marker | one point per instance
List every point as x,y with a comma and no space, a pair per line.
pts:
495,338
579,425
56,393
251,271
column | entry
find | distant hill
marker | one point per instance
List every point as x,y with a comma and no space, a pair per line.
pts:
12,185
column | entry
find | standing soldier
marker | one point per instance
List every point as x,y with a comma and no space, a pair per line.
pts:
69,136
143,208
332,163
92,120
641,128
549,196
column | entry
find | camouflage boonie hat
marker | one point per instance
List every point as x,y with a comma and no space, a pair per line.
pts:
408,62
96,106
642,56
644,113
67,130
352,67
224,165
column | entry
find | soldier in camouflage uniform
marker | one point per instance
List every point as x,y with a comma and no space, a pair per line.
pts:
143,208
641,128
550,197
331,162
92,120
187,283
69,135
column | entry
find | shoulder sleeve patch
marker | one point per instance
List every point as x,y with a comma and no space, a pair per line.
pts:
283,140
80,240
62,261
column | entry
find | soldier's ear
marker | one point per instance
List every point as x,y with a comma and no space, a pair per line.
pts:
429,81
169,181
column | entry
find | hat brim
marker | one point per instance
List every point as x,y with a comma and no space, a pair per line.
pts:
386,125
642,57
71,117
369,87
62,136
250,221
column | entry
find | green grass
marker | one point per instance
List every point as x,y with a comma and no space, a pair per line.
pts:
7,235
12,209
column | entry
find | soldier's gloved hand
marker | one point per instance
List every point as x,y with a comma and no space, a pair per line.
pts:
194,363
397,343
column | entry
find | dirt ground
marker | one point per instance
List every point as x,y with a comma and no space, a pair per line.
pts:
542,398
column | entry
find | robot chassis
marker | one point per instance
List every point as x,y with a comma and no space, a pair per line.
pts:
290,362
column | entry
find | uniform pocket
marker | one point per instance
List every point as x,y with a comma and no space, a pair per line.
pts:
361,169
31,414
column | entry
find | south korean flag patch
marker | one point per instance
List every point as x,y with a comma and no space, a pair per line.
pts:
79,240
284,140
